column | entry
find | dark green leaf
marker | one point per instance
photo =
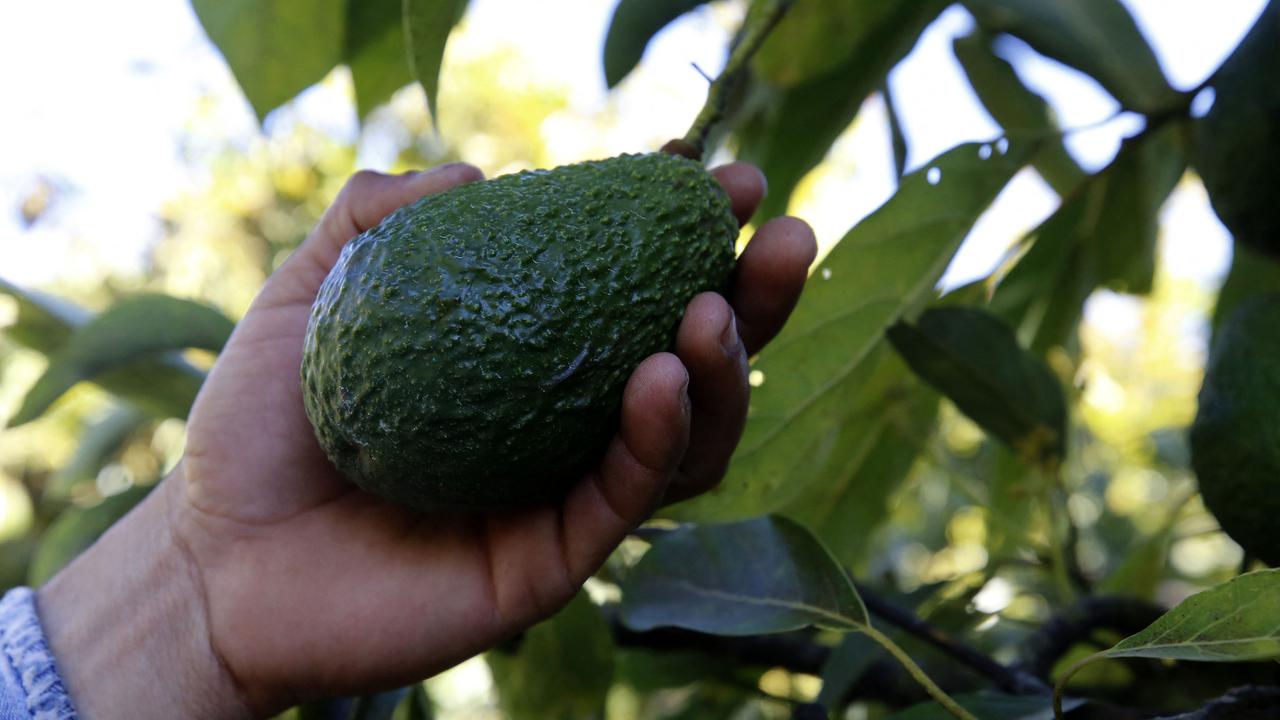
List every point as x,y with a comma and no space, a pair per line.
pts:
135,328
15,561
696,578
99,442
813,373
634,24
44,322
1251,274
1019,111
78,528
1238,141
793,130
164,387
562,669
991,706
817,36
1098,37
1235,621
375,51
428,24
1103,235
275,48
847,662
975,360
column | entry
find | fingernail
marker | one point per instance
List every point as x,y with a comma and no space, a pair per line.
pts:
729,341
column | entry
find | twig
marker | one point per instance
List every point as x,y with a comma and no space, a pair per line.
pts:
754,32
1057,636
1011,680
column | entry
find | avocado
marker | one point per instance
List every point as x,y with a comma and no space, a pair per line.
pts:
471,350
1235,440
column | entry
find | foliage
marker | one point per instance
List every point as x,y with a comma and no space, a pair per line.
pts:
1011,489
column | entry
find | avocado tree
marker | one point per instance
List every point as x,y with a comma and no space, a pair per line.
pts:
776,594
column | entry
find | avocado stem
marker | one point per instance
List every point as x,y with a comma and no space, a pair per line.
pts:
755,28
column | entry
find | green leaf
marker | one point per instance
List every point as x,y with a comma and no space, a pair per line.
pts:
134,328
1104,234
817,36
990,706
44,322
1236,621
696,578
275,48
1238,141
1019,110
99,442
562,670
1251,274
427,25
634,24
795,127
1098,37
76,529
164,386
974,359
375,51
417,706
813,373
870,457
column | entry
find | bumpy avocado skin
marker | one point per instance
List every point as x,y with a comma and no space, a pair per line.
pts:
472,349
1235,440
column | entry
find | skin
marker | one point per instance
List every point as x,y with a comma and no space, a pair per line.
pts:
256,577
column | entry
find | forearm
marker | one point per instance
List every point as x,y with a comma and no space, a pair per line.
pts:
128,625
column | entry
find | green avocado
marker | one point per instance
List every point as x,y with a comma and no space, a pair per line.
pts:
472,349
1235,440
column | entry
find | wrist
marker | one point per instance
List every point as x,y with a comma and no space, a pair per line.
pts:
128,624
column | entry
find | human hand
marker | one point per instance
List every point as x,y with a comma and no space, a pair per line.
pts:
264,578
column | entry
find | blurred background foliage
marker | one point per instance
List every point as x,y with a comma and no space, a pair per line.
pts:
963,535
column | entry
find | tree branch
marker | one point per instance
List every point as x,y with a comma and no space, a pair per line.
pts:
1014,681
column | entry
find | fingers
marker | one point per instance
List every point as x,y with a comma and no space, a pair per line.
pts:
768,279
709,346
652,438
364,201
745,185
370,196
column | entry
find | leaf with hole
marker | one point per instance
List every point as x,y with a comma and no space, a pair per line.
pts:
695,577
140,327
275,48
1097,37
634,24
427,25
813,373
1018,109
974,359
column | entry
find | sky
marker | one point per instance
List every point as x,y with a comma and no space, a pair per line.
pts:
98,103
